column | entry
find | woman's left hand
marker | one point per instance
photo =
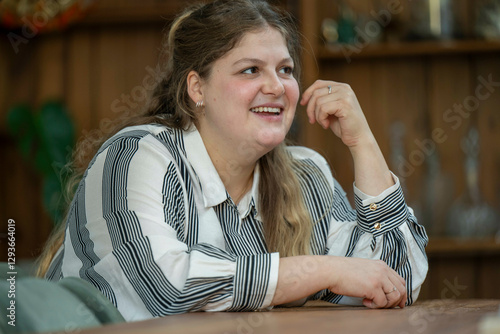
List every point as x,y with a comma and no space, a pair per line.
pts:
338,109
334,105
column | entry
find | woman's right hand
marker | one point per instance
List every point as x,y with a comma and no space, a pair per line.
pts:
373,280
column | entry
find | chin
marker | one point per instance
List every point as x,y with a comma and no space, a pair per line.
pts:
271,139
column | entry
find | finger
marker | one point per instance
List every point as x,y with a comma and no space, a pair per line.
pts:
393,297
324,111
317,98
402,288
402,304
310,90
311,107
312,95
318,85
404,298
379,300
326,107
369,303
397,294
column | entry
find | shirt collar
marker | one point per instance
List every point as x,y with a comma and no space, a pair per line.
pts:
212,188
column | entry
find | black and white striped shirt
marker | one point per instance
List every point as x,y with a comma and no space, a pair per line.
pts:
153,228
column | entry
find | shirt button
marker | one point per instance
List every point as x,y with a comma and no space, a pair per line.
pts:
377,226
373,206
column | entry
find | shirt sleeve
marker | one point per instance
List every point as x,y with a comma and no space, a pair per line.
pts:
380,227
130,233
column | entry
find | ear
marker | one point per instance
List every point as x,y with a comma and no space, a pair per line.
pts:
194,86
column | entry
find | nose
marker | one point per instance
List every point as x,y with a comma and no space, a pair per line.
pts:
273,85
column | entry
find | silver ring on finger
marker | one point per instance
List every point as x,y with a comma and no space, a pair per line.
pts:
329,89
393,289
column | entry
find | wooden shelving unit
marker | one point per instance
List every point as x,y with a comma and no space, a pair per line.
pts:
462,268
405,49
458,247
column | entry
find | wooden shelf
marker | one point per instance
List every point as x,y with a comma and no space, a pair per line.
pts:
405,49
462,246
131,11
135,12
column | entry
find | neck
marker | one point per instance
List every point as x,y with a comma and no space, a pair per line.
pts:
236,174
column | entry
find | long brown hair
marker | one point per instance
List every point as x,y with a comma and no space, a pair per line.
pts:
198,37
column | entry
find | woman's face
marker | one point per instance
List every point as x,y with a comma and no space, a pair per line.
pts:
250,96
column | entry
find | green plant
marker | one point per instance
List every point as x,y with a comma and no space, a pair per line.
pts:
45,139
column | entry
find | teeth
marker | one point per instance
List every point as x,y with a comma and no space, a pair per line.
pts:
266,109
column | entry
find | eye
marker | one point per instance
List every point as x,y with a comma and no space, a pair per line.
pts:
251,70
287,70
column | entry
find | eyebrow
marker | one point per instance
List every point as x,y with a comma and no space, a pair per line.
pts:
259,61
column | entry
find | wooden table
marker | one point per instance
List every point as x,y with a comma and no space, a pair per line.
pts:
431,316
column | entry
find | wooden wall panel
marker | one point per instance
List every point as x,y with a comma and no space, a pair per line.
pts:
5,61
449,84
125,58
110,47
21,188
488,123
20,76
453,277
142,72
79,76
51,67
462,269
489,277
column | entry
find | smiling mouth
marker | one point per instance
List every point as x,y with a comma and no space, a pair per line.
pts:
267,110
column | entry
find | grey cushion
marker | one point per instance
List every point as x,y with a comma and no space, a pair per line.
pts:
101,307
44,306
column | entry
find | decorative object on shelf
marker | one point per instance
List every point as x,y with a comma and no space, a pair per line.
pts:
41,15
329,30
434,19
45,139
488,19
346,24
437,196
471,216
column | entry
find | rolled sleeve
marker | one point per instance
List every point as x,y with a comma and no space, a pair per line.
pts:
255,281
382,213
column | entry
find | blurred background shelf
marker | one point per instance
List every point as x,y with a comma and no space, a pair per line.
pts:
410,49
132,11
458,247
462,268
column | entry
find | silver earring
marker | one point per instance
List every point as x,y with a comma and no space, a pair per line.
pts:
200,104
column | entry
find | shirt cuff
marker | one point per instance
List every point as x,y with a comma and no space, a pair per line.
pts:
255,281
382,213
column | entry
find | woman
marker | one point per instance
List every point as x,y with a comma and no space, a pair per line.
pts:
201,206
